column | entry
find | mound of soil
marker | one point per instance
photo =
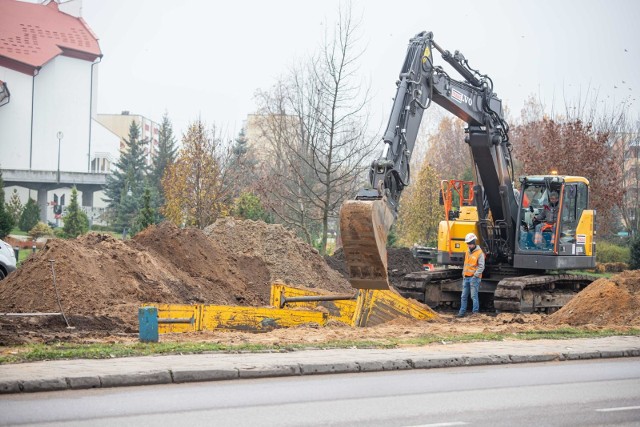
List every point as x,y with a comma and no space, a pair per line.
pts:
607,301
102,281
212,274
338,262
401,262
99,276
287,258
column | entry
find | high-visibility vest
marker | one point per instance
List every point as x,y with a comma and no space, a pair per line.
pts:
471,262
538,239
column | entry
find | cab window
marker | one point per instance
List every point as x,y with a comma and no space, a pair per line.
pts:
574,201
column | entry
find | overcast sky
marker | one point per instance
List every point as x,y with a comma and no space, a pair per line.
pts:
203,58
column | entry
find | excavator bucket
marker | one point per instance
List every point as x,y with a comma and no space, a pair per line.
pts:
364,226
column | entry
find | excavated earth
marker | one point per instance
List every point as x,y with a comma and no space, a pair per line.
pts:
101,282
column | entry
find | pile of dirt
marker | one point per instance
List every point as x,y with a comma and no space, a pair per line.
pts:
212,273
338,262
607,301
287,258
102,281
99,276
400,262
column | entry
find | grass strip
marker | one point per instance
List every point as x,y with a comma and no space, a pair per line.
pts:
62,351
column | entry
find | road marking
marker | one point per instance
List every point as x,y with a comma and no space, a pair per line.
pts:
623,408
453,423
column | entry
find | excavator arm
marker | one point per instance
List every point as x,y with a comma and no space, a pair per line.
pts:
366,221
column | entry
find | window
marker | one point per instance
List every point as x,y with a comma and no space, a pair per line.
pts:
574,201
537,219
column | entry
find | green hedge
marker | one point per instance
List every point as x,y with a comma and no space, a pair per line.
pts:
608,252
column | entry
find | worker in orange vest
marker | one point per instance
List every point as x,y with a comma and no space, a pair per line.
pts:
471,274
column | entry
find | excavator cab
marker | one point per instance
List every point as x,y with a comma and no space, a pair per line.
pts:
555,235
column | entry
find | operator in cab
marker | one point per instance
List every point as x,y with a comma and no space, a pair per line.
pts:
547,219
471,274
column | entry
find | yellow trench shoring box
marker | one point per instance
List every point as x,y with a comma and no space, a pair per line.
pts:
370,308
339,310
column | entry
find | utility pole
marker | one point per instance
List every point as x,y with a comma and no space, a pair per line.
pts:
60,135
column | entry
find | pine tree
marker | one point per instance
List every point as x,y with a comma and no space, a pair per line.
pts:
6,220
126,184
242,167
167,152
30,215
242,144
146,215
14,206
75,220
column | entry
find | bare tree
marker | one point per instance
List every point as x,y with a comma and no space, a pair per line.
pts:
318,125
626,148
448,154
284,177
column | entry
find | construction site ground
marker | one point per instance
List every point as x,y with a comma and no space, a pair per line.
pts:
102,281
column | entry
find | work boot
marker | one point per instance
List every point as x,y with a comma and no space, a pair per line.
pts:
460,315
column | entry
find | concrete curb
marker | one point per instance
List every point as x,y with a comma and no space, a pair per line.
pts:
79,380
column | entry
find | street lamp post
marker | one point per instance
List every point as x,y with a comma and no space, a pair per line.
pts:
59,135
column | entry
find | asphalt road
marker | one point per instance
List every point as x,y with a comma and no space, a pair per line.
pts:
593,392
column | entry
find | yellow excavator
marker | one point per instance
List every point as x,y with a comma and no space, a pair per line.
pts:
527,258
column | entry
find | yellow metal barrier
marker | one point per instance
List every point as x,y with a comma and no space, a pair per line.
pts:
256,319
372,307
178,311
375,307
341,310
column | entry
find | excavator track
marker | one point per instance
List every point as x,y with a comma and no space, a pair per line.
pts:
431,287
538,293
521,294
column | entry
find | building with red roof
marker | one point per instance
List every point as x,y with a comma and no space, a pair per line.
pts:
47,64
32,35
48,86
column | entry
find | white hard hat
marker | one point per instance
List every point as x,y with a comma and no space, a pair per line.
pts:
470,238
